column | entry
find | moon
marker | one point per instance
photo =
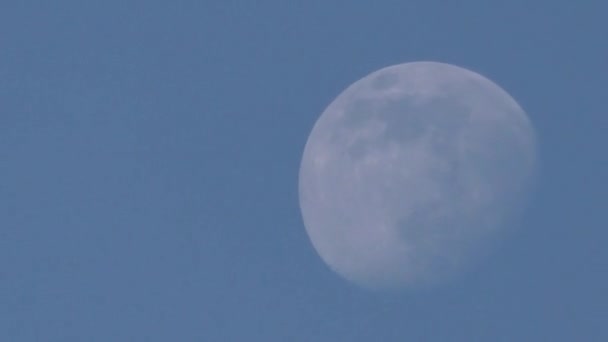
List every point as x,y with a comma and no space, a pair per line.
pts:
413,172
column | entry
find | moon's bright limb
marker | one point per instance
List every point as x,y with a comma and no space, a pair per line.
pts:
411,171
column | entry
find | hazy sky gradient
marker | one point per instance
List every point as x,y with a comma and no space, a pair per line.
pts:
150,153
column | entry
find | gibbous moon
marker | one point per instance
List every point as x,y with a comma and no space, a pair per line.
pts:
412,172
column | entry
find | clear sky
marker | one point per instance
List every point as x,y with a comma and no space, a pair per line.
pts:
150,155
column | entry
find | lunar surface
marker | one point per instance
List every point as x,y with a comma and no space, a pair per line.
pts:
412,172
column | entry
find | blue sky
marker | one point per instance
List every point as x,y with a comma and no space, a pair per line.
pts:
150,153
